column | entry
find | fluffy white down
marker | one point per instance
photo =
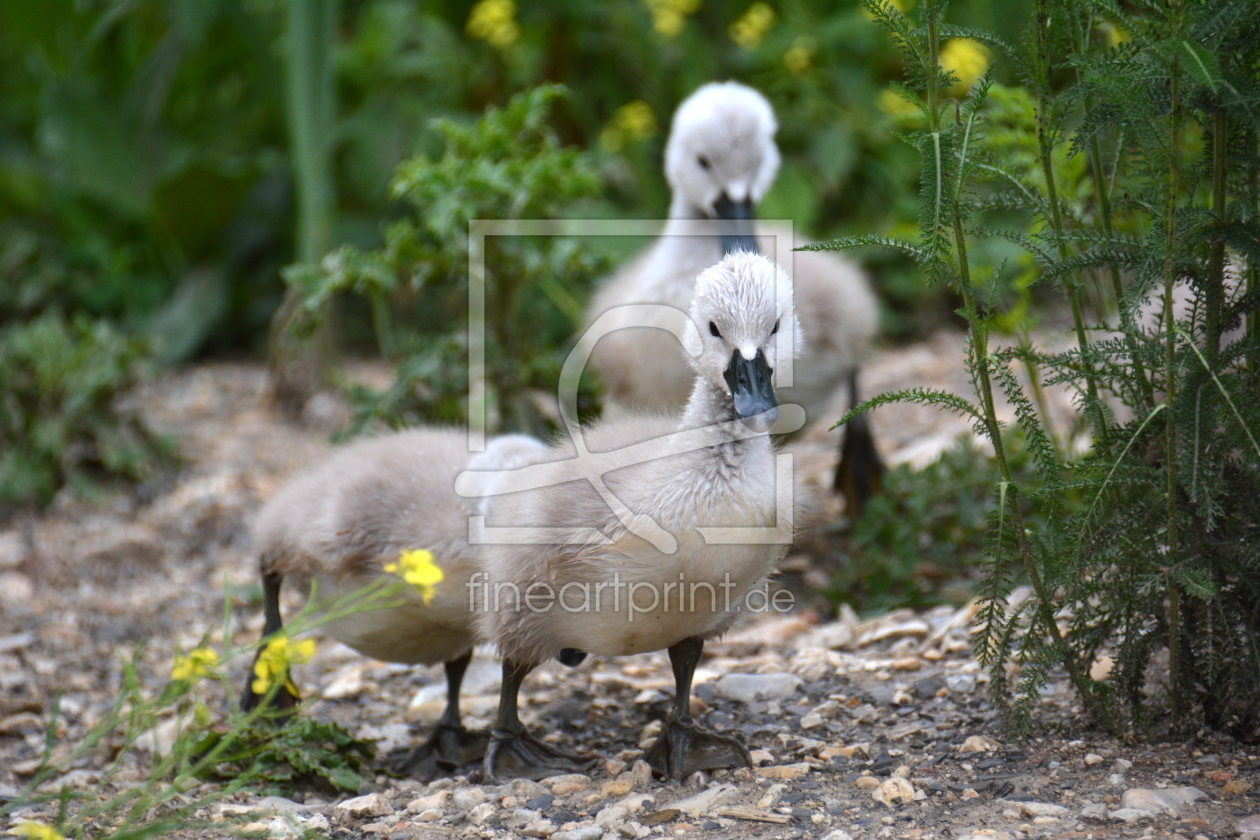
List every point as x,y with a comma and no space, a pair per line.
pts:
730,483
340,522
731,126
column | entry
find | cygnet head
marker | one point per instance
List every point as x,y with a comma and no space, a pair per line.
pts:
721,158
743,309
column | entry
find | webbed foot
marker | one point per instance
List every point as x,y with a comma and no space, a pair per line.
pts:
448,749
523,756
683,748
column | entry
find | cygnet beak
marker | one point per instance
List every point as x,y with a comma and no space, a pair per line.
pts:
737,233
749,381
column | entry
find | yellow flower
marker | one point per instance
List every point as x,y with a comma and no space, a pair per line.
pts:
417,568
274,661
1114,33
494,21
966,59
798,57
36,831
668,16
194,665
630,123
752,25
895,105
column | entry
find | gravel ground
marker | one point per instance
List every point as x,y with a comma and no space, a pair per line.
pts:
876,728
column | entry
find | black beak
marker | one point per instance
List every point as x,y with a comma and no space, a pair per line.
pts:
737,233
749,382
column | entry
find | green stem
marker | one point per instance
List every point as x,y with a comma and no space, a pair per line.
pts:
1170,396
1045,150
1215,286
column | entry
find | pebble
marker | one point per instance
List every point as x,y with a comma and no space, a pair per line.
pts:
438,800
1249,824
539,828
1131,815
772,796
567,784
1122,765
746,688
706,800
895,790
465,799
634,830
319,823
372,805
784,771
979,743
589,832
1093,758
961,683
1042,809
1168,801
838,834
431,815
1236,787
866,783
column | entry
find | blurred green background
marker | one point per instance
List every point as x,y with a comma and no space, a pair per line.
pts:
145,166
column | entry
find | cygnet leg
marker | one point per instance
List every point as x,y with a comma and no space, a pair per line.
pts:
286,697
451,746
682,749
860,474
513,752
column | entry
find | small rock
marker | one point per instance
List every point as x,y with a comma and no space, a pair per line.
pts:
481,814
438,800
372,805
979,743
908,664
1115,780
431,815
465,799
619,786
812,720
772,796
1122,765
707,800
567,784
961,683
1093,758
866,783
895,790
588,832
319,823
746,688
524,789
1095,811
539,828
1168,801
970,793
1131,815
1042,809
633,830
1249,824
784,771
838,834
1236,787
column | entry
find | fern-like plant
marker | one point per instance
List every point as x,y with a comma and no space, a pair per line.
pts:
1134,165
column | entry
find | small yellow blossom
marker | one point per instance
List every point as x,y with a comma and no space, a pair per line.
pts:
274,661
194,665
417,568
753,25
895,105
966,59
630,123
1114,33
668,16
36,831
494,21
798,58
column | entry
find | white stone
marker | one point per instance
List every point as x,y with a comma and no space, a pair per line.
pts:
372,805
1130,815
706,800
745,688
1168,801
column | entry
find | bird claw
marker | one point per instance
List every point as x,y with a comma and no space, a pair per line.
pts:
523,756
682,749
448,749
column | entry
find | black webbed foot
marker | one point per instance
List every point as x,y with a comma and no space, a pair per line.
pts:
523,756
448,749
682,749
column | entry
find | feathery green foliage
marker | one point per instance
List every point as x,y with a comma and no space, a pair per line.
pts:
509,164
1131,153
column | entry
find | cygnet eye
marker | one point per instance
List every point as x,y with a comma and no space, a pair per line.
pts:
776,327
703,161
713,330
